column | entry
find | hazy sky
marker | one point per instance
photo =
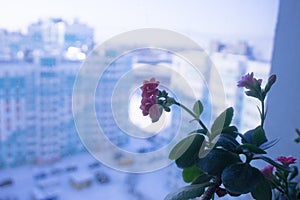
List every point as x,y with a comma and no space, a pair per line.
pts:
110,17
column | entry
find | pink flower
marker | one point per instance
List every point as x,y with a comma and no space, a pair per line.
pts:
268,172
286,160
248,81
149,88
149,104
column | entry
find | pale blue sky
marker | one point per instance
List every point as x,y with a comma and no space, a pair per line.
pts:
110,17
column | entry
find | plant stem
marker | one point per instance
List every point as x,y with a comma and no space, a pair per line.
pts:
279,189
209,193
262,113
286,188
191,113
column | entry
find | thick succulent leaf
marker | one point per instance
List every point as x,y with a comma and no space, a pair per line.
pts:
198,108
186,152
221,122
181,147
230,130
259,136
262,191
216,160
241,178
187,192
227,141
203,178
191,173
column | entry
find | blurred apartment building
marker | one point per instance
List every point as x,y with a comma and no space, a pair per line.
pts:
37,73
71,40
232,62
36,124
38,70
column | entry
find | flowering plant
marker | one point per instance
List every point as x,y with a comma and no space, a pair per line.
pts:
217,167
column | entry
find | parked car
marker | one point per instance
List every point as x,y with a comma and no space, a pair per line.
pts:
6,182
102,177
40,175
81,180
56,171
41,194
94,165
72,168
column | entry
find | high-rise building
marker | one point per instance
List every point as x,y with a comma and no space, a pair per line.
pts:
73,40
36,123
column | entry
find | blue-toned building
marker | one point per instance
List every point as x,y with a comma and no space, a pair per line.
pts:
36,124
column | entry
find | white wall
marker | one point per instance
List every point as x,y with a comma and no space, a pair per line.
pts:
284,99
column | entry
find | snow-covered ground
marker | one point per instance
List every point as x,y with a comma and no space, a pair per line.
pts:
56,179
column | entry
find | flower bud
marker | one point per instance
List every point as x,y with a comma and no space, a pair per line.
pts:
271,81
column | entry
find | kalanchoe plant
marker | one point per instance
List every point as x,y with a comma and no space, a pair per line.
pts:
280,180
216,168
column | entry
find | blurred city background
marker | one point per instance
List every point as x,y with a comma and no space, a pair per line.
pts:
41,155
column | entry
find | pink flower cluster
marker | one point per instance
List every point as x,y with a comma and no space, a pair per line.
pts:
149,104
248,81
286,160
268,172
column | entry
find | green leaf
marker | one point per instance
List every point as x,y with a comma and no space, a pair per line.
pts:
275,164
221,122
198,108
259,136
203,131
262,191
252,93
203,178
250,148
241,178
181,147
268,144
194,175
230,130
187,192
227,141
185,153
191,173
216,160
